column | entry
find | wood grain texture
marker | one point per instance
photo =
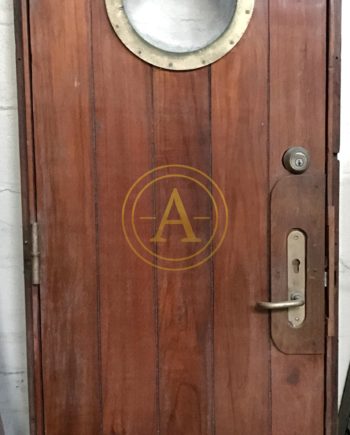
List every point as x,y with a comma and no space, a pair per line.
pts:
240,167
299,202
298,81
334,75
185,299
61,66
127,304
297,394
297,118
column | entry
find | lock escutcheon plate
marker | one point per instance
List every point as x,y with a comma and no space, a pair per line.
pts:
298,203
296,258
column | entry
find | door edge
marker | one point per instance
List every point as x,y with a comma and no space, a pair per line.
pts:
332,212
29,214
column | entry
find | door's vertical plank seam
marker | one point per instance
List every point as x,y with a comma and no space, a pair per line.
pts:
212,276
155,273
96,213
327,240
268,197
30,90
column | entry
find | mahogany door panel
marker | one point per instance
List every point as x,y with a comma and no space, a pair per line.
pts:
240,144
164,210
63,135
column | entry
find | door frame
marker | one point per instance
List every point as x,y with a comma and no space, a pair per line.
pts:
332,215
29,213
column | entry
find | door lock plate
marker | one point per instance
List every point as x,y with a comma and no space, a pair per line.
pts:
296,258
298,204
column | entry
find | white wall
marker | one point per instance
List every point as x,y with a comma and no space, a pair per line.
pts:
13,383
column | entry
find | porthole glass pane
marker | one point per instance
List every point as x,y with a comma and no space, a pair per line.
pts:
180,26
180,35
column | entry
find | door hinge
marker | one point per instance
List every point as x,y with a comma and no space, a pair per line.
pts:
35,254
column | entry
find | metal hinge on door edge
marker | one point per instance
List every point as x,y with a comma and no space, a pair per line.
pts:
35,254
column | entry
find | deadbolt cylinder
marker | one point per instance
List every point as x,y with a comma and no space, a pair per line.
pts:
296,160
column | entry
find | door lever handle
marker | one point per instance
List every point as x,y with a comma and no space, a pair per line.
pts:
295,276
296,300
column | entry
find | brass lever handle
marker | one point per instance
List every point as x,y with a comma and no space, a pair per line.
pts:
296,300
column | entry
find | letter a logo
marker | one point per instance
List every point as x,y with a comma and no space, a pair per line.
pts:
183,230
175,200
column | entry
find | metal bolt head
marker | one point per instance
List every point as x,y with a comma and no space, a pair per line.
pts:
296,160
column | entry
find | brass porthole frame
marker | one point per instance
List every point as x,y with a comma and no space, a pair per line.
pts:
180,61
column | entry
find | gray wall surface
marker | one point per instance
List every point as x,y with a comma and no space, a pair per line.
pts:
13,379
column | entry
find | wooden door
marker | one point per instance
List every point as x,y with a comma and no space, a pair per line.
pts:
163,210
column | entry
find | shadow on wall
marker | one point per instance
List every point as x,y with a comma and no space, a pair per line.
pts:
1,427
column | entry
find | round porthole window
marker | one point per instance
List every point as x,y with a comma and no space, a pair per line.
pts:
180,34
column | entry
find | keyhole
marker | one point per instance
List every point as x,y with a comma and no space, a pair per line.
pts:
296,265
